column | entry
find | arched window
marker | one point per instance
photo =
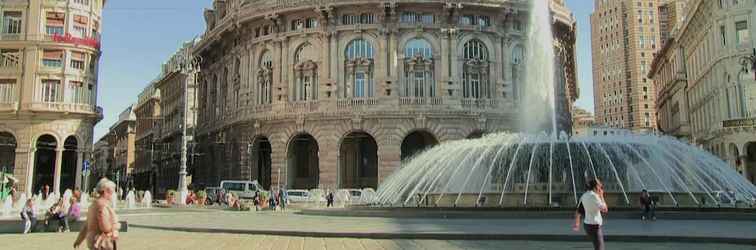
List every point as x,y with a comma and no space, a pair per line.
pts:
359,48
475,77
265,78
223,91
306,73
359,69
418,69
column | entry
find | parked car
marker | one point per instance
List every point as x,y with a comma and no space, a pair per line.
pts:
243,189
298,195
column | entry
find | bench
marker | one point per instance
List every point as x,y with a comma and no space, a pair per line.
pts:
16,226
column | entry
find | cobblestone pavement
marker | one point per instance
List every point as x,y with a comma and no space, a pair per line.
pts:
158,239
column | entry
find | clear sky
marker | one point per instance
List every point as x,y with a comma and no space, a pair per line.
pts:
139,35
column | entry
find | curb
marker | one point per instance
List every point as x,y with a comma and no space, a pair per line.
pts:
459,236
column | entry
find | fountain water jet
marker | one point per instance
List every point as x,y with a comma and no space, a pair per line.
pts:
537,170
147,199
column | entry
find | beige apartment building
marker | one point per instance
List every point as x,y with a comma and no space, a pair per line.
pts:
582,121
625,35
706,95
176,86
337,93
122,137
49,52
147,111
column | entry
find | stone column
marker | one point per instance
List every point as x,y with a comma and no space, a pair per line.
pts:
23,169
58,165
278,162
79,162
333,64
328,166
389,160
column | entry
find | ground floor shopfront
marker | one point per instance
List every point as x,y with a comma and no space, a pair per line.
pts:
735,143
326,153
41,152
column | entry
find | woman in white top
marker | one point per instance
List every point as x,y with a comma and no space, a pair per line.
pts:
591,206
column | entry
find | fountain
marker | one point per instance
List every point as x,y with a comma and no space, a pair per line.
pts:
7,207
21,202
114,201
147,199
549,169
513,170
130,200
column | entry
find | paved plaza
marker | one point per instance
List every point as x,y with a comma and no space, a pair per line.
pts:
292,224
218,229
162,239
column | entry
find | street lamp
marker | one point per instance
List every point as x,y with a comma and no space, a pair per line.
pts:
188,65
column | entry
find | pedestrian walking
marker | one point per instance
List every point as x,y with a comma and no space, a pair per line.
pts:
647,205
282,199
101,229
29,215
329,199
591,206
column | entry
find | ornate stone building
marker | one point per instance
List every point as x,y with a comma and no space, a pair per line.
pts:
49,52
707,95
335,94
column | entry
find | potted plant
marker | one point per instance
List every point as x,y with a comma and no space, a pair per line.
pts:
201,197
170,197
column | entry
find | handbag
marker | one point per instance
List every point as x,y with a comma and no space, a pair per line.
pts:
104,241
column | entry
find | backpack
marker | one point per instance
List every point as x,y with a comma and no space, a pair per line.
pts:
581,209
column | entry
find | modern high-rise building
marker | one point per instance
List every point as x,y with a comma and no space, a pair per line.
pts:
49,52
625,35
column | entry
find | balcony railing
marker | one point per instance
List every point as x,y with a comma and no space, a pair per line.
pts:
64,107
421,101
358,105
10,36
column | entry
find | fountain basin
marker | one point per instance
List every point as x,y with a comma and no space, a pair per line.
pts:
525,170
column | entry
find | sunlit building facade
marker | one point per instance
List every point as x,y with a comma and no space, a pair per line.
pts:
49,53
336,94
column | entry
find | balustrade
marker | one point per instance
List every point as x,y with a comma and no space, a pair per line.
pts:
63,107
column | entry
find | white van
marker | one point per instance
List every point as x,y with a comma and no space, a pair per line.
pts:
243,189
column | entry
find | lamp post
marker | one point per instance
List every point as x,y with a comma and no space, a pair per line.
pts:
188,65
747,63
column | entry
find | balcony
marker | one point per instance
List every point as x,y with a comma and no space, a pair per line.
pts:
63,107
10,36
10,68
8,106
367,106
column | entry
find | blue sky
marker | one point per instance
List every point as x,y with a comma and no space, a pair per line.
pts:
139,35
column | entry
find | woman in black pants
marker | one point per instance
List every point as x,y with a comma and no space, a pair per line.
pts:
591,206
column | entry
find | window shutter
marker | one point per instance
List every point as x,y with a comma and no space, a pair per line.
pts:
81,20
56,19
79,56
53,54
